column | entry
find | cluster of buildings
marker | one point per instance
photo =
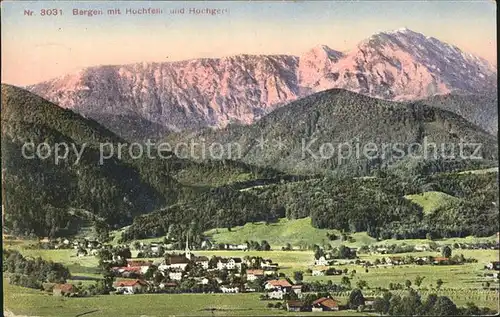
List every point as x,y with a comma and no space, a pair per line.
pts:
279,288
319,305
174,267
322,304
83,246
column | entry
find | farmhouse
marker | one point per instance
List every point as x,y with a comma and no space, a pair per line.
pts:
369,302
322,261
176,274
493,266
284,284
395,260
229,264
319,271
174,261
325,304
63,290
297,289
277,288
143,265
294,305
229,289
269,267
422,247
252,275
130,286
242,247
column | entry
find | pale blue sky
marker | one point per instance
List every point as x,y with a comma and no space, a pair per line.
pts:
38,48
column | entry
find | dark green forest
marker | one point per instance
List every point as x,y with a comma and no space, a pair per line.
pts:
154,197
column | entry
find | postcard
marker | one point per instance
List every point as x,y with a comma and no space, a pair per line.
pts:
249,158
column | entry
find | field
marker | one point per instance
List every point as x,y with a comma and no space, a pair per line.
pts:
297,232
30,302
462,283
300,233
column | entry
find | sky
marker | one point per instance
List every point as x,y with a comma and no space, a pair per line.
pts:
37,48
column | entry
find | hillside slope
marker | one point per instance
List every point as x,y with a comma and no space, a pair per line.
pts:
40,196
481,110
307,135
38,193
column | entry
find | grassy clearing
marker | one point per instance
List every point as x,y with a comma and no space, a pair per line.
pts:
297,232
431,201
300,233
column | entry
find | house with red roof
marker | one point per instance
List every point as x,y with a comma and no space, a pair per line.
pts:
130,286
276,289
325,304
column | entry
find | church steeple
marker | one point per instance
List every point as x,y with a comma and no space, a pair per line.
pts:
188,252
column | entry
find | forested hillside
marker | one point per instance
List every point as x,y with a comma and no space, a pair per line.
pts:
314,134
40,196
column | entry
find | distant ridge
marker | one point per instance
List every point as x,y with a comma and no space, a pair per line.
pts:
400,65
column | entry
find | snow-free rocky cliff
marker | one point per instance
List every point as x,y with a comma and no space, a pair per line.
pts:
400,65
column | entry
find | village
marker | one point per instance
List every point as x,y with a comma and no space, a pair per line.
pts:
174,272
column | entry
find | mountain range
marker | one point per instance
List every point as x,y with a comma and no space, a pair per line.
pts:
157,98
178,191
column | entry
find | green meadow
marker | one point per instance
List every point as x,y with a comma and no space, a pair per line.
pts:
32,302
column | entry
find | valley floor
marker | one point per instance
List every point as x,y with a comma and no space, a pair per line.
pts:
462,283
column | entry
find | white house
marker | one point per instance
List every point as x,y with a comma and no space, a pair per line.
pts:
175,275
277,288
422,247
493,266
243,247
229,289
297,289
276,294
130,286
229,264
205,244
320,271
155,247
322,261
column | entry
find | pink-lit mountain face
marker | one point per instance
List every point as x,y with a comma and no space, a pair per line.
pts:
400,65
